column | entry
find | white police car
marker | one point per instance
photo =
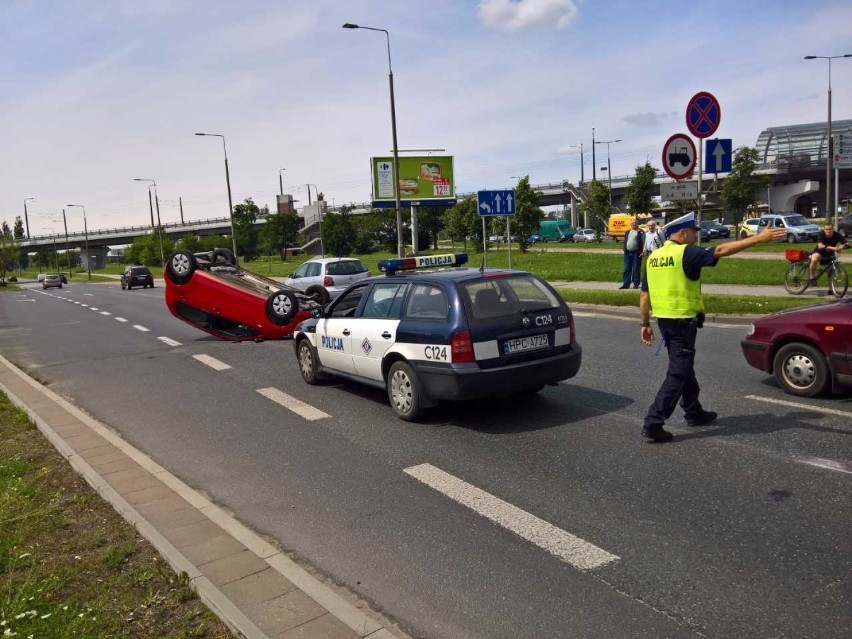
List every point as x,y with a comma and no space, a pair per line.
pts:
441,334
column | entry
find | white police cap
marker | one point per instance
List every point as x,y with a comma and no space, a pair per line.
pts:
683,222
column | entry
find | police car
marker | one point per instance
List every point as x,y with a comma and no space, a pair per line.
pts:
426,334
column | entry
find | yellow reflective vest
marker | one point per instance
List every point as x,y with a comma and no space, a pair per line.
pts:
673,294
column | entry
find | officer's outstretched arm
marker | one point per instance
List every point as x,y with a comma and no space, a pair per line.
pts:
766,235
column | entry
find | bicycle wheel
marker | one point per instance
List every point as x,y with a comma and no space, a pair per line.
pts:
796,278
838,280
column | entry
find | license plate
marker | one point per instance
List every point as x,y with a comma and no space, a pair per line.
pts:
520,344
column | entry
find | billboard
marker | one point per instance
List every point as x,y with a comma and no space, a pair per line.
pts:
426,180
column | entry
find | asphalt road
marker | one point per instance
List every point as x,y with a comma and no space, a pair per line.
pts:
738,529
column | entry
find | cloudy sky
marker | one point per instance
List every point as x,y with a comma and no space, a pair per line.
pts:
94,93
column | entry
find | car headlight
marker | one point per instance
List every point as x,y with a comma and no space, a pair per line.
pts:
750,330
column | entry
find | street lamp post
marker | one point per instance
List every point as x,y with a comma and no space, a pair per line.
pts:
829,154
86,231
281,181
594,162
67,247
159,229
26,217
228,182
608,167
349,25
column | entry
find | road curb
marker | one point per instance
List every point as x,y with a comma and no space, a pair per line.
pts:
632,313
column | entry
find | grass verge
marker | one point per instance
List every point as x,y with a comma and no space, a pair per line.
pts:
724,304
70,565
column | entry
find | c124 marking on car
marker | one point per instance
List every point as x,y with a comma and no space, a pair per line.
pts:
436,353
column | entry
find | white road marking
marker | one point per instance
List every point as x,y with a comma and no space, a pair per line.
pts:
141,328
781,402
89,294
291,403
567,547
169,341
92,308
86,305
105,313
212,362
120,319
827,464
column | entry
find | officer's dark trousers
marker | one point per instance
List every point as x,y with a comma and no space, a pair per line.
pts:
680,384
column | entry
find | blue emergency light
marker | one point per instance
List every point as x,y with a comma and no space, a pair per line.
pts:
391,266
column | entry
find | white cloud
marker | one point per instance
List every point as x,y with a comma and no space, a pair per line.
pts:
520,15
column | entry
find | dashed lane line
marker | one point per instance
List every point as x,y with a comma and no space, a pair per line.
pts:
291,403
169,341
569,548
781,402
141,328
105,313
212,362
120,319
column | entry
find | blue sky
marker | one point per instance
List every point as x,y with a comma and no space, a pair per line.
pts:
96,93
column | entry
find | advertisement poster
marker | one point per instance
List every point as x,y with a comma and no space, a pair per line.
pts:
426,180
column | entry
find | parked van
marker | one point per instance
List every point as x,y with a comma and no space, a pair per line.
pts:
556,231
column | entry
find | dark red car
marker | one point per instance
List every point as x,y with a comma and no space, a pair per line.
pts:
210,292
809,349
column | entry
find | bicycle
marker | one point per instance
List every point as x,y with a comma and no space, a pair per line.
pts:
797,281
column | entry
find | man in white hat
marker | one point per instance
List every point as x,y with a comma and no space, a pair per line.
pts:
672,287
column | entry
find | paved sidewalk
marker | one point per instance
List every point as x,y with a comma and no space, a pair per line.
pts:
256,589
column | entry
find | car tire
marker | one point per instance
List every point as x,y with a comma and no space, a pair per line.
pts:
801,370
791,239
308,362
743,235
181,266
129,287
281,307
223,257
404,391
319,294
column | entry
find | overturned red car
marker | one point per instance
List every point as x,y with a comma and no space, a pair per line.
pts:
212,293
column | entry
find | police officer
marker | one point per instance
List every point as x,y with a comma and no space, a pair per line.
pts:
672,287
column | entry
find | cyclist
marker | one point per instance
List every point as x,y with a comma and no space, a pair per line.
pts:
828,242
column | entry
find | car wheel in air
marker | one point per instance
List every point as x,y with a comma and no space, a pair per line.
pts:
404,391
180,267
801,370
308,362
281,307
319,294
223,257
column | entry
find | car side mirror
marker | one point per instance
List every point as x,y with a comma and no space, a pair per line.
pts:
317,313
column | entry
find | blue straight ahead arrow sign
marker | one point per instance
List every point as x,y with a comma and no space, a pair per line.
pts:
495,202
717,159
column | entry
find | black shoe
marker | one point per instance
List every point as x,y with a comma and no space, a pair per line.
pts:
702,419
621,287
635,286
657,434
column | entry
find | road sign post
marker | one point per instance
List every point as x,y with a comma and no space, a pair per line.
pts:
491,203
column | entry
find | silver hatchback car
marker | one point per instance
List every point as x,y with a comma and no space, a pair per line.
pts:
326,277
51,281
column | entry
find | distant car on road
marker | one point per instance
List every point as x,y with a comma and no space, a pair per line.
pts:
809,349
844,226
717,229
535,239
748,227
41,277
136,276
325,277
51,280
586,235
63,278
797,227
210,292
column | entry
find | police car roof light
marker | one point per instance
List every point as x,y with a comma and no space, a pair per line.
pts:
393,265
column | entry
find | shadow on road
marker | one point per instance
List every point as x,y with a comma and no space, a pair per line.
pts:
763,424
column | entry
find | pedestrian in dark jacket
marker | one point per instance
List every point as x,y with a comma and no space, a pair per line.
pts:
633,247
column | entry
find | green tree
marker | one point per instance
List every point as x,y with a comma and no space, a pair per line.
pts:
597,205
145,250
430,223
742,188
19,228
280,232
245,215
528,213
5,231
338,234
10,250
640,191
189,242
463,223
